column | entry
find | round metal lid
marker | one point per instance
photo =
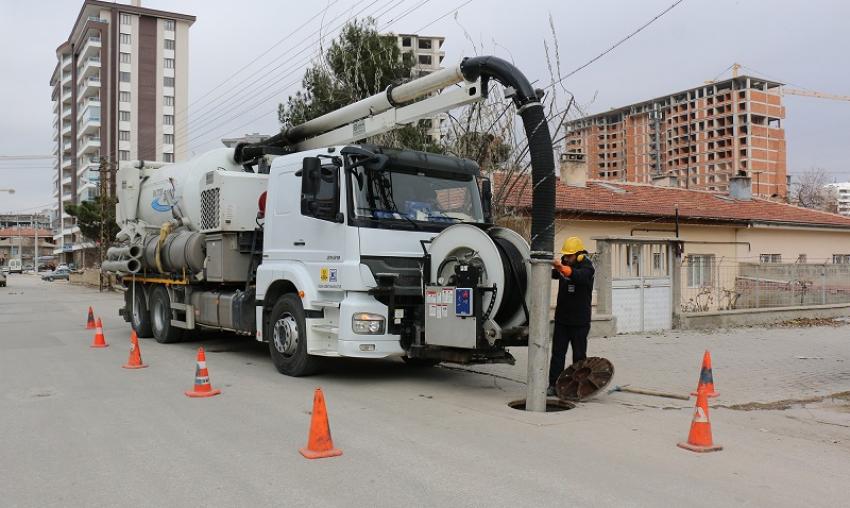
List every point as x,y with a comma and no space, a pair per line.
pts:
584,379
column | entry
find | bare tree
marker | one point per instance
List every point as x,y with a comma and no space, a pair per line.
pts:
811,190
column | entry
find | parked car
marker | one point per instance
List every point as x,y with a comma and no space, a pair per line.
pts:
2,279
4,269
15,266
59,273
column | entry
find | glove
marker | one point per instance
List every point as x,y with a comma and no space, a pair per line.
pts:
564,270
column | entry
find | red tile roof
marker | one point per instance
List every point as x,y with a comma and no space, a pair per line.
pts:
642,200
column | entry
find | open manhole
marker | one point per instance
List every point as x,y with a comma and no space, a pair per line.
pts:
552,405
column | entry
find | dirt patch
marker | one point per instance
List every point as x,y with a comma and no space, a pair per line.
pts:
781,405
811,322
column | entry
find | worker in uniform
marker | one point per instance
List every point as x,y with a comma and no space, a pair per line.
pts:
574,273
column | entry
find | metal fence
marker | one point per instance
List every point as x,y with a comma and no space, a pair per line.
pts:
727,285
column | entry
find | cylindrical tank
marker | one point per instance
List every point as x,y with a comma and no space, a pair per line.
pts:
179,186
179,251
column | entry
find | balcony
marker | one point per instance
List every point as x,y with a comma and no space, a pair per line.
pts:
90,66
66,94
90,142
66,129
66,146
66,61
92,44
66,181
66,162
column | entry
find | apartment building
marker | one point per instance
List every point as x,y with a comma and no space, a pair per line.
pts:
427,57
120,92
702,137
842,196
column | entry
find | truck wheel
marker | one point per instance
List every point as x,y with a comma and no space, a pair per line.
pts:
160,317
288,338
140,317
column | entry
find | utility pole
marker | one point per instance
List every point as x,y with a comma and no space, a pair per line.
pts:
35,243
102,189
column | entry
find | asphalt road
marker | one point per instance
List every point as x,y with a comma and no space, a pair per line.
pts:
78,430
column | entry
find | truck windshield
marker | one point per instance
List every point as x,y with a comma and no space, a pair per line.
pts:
415,196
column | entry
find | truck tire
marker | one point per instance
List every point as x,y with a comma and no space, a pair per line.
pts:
160,317
288,339
137,308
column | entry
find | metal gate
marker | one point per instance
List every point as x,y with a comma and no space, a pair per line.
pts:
641,286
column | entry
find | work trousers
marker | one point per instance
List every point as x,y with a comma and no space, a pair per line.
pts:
564,336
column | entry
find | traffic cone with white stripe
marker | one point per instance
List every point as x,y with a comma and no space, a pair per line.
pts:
706,377
135,359
90,324
203,388
699,438
99,339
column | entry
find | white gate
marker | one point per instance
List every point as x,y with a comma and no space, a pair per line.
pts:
641,287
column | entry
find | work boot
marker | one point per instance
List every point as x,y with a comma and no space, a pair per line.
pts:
550,392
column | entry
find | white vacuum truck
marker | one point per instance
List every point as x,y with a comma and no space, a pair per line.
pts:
325,248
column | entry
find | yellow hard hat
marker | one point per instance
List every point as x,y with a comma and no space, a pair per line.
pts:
572,245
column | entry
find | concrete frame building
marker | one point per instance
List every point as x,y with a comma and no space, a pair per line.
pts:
120,92
428,57
842,196
701,137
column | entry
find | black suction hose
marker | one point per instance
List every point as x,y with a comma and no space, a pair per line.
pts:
539,143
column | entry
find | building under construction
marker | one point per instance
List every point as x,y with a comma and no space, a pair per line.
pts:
698,138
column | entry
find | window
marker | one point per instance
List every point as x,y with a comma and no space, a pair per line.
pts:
167,157
124,116
841,259
123,155
125,19
169,63
168,81
424,43
125,57
168,119
124,135
125,39
168,100
770,258
405,42
169,43
169,25
124,77
320,192
700,270
168,139
425,59
124,96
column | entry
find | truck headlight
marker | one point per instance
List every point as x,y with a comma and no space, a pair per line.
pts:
364,323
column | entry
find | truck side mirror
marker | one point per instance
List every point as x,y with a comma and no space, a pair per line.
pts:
487,200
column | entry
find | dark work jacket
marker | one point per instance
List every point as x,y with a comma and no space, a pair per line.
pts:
575,294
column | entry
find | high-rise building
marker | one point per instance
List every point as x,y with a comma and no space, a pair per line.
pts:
427,57
842,196
120,92
702,136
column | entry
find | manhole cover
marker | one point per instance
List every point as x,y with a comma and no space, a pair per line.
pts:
552,405
584,379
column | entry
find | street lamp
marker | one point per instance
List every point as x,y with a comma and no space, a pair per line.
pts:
10,191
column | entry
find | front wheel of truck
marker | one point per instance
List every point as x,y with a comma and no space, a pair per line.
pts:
288,338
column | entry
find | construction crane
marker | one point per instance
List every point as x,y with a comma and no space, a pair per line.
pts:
799,92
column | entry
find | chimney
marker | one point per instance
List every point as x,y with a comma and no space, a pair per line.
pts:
668,180
136,3
573,169
741,187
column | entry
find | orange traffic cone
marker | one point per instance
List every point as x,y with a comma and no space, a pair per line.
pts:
203,388
135,359
319,442
90,325
705,377
99,339
699,438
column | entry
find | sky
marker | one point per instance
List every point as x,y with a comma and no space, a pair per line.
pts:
803,44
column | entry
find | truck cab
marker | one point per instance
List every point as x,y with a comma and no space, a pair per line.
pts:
343,248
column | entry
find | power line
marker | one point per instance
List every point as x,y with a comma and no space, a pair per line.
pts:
618,43
24,157
267,98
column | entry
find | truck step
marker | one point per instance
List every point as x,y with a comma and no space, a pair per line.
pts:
325,303
334,330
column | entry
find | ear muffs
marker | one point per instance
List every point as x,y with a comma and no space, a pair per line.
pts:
580,258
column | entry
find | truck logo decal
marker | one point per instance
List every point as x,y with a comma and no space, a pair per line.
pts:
160,207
